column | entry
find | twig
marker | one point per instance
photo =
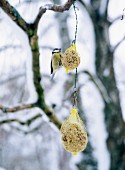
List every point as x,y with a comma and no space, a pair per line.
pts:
114,20
56,8
17,108
31,30
100,87
46,47
116,46
27,122
6,47
86,7
14,15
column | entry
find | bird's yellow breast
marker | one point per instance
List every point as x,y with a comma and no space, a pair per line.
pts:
56,58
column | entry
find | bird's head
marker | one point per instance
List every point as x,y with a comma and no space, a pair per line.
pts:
56,50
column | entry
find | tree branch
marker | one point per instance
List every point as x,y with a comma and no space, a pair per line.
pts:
31,30
116,46
88,9
17,108
100,87
56,8
6,47
27,122
106,11
14,15
44,107
114,20
37,81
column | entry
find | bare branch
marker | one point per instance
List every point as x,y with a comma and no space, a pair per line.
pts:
116,19
6,47
26,2
44,107
46,47
5,79
116,46
37,82
56,8
85,6
17,108
14,15
31,30
100,87
106,9
53,118
27,122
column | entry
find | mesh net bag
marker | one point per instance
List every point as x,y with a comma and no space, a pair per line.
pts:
74,136
70,58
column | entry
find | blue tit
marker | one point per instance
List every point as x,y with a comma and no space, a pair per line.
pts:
55,61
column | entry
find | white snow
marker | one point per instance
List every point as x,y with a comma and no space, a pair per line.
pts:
91,100
117,33
2,168
95,124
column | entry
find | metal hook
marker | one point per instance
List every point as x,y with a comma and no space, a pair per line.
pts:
123,14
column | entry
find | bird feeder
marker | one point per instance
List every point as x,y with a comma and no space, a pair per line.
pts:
74,136
70,59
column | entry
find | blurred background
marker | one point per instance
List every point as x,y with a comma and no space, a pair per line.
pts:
101,86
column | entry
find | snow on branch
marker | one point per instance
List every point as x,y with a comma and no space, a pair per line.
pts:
17,108
14,15
26,122
56,8
43,107
117,45
115,20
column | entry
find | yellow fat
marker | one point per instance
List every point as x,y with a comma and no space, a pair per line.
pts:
74,153
73,115
74,46
73,111
67,70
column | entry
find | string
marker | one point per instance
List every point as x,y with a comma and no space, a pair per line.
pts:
74,7
75,91
75,78
74,41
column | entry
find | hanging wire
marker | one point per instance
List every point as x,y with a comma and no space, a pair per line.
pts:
75,78
75,90
74,41
74,7
123,15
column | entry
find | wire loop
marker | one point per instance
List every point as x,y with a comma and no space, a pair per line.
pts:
75,97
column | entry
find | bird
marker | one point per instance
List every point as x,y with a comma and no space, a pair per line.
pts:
55,61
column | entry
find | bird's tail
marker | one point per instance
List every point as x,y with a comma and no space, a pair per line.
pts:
52,76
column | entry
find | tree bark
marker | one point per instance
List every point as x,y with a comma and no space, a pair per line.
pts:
113,114
33,39
105,63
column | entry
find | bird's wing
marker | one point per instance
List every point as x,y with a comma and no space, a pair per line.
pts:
51,67
60,63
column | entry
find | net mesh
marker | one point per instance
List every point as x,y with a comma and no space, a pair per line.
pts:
74,136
